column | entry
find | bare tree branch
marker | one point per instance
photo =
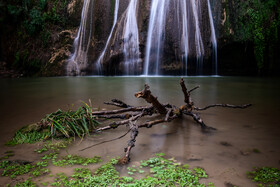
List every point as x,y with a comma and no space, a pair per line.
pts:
118,111
118,103
223,105
147,95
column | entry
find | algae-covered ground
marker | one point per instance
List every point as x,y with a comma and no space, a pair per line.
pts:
51,168
156,171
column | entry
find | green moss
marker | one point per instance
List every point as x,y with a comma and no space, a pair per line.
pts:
97,28
163,172
54,145
254,21
157,171
255,150
76,160
14,169
27,182
113,2
8,154
265,176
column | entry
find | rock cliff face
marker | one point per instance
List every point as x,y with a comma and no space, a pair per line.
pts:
46,50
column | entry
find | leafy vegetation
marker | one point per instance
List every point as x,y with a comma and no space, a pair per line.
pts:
26,28
264,27
28,137
70,123
76,160
54,145
259,22
35,15
156,171
162,172
25,183
265,176
14,169
8,154
67,124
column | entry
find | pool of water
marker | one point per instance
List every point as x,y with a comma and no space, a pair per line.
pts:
225,154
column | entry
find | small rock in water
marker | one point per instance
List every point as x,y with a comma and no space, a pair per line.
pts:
136,163
245,152
225,144
228,184
194,158
255,150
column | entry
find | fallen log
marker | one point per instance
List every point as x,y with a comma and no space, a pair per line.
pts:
129,115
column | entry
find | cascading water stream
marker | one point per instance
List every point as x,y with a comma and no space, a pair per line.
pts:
184,37
213,39
101,57
189,20
78,61
198,39
155,36
131,40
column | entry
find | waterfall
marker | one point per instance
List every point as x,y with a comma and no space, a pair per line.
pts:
213,39
101,57
189,22
78,60
175,34
198,39
184,37
131,40
155,37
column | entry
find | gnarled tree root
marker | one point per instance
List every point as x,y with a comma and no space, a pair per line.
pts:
129,115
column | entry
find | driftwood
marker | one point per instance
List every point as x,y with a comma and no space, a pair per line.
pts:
129,115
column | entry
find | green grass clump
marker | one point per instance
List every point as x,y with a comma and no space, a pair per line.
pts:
265,176
70,123
76,160
59,124
29,137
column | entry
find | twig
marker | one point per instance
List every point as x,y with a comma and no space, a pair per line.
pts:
132,109
118,123
118,103
121,116
106,141
197,118
223,105
193,89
